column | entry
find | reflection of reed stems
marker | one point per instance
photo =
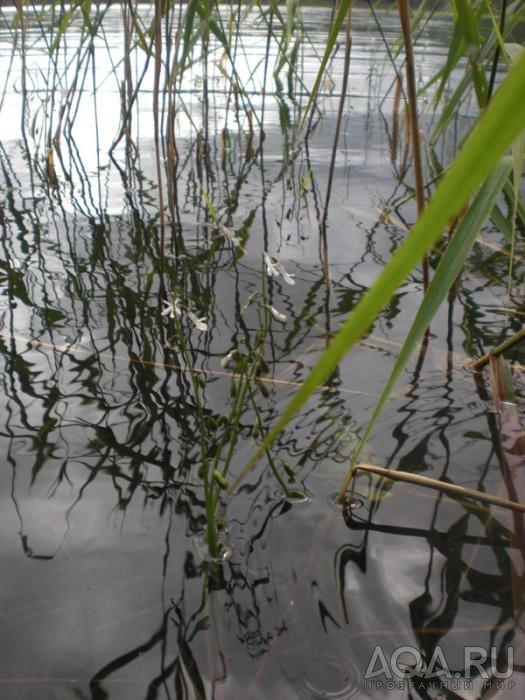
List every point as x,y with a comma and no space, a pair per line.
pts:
273,381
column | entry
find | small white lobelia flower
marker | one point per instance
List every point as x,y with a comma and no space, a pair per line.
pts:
270,266
276,314
199,323
172,308
229,357
229,233
275,268
253,296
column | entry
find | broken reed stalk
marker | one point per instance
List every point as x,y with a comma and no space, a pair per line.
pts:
404,16
452,489
485,359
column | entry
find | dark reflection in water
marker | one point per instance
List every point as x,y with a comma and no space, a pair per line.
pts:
108,412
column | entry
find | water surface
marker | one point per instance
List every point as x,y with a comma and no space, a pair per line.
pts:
106,589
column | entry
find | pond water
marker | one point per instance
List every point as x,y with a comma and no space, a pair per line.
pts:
109,406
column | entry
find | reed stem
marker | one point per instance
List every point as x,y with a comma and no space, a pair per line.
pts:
452,489
404,16
485,359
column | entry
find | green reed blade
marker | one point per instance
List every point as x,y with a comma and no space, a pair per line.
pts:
187,39
468,23
448,269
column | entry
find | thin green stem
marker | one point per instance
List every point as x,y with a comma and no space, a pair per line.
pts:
404,16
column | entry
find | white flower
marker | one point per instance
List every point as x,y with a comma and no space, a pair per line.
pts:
172,308
270,266
229,233
287,277
253,296
229,357
275,268
199,323
276,314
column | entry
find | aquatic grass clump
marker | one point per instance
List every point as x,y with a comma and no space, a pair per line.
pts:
243,366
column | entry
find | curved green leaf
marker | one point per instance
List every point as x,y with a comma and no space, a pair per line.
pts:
448,269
